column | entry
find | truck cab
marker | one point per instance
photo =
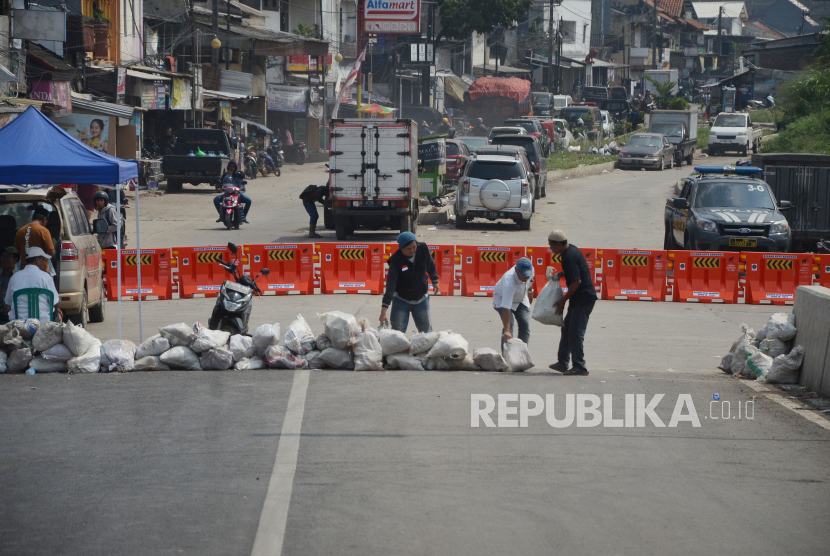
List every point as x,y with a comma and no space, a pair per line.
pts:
680,128
734,132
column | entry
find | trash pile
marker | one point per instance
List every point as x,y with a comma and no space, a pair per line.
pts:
768,354
345,343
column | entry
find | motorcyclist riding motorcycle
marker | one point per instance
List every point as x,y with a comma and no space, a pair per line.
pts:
107,211
445,126
479,129
236,178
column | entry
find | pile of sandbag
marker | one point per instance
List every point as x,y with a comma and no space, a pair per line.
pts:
768,354
51,347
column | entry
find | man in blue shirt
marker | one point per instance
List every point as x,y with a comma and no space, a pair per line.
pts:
230,178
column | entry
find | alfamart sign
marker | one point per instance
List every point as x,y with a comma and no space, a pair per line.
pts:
392,17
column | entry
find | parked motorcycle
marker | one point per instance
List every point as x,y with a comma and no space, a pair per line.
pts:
267,164
251,164
231,208
296,153
233,306
275,151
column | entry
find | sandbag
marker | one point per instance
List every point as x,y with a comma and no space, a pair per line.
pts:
27,328
516,355
3,358
773,347
13,340
152,346
322,342
252,363
466,364
781,326
341,328
489,360
266,335
49,334
313,360
205,339
89,362
758,365
368,355
726,363
241,346
298,337
58,352
786,368
18,360
544,311
216,359
738,364
42,365
434,364
404,362
392,341
117,355
77,339
337,358
150,363
179,334
280,357
422,343
449,345
181,358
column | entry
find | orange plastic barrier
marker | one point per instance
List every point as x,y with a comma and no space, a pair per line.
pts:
156,276
199,271
634,274
822,266
351,268
291,266
707,277
773,277
545,262
482,267
445,261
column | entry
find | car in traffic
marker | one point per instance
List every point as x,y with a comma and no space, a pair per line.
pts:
564,137
495,187
560,102
506,130
473,142
588,113
617,93
647,150
726,209
457,157
533,127
734,132
595,94
616,107
542,104
607,123
78,259
538,160
513,150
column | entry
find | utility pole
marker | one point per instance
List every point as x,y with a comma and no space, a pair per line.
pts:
559,59
228,40
214,52
804,14
720,41
550,48
654,39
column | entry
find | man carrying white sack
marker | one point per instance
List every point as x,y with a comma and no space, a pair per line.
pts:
512,297
582,296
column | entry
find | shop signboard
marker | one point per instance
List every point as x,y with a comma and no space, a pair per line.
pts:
392,17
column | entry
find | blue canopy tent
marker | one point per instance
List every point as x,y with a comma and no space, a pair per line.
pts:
36,152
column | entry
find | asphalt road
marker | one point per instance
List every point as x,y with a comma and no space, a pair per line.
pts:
334,462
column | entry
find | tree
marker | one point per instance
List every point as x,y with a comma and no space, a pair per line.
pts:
664,89
305,30
460,18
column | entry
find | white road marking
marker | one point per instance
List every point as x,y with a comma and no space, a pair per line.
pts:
789,404
270,533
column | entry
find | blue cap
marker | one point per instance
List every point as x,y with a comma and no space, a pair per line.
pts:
405,239
524,267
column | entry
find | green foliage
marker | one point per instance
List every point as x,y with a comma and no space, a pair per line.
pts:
305,30
702,137
459,18
821,55
664,91
809,134
806,95
621,127
678,103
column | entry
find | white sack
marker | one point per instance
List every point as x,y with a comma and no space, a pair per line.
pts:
773,347
3,358
489,360
738,364
150,363
466,364
18,360
314,361
89,362
781,326
449,345
266,335
42,365
436,364
422,343
58,352
404,362
299,338
758,365
117,355
180,334
280,357
49,334
368,355
205,339
544,311
341,328
77,339
392,341
12,340
516,355
337,358
322,342
241,346
27,328
181,358
726,363
250,364
785,368
216,359
152,346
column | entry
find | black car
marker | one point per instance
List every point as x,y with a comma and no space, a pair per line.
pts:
533,127
595,94
616,107
537,158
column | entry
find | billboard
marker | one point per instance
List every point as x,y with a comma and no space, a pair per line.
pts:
90,130
387,17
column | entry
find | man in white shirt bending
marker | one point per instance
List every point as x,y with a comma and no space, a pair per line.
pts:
33,275
512,297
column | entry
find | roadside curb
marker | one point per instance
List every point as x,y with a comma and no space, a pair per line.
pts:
581,171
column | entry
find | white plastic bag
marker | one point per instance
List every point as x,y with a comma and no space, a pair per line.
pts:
758,365
368,355
18,360
3,358
544,311
466,364
77,339
786,368
205,339
516,355
241,346
58,352
266,335
299,338
781,326
89,362
341,328
49,334
181,358
337,358
449,345
42,365
216,359
738,364
726,363
392,341
489,360
314,361
773,347
404,362
27,328
280,357
152,346
117,355
434,364
322,342
180,334
150,363
422,342
250,364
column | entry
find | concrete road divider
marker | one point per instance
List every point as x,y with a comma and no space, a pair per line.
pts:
812,305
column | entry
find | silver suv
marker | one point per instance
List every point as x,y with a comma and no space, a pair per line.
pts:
495,187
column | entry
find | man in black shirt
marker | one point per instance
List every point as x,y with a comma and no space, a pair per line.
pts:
310,196
406,285
582,295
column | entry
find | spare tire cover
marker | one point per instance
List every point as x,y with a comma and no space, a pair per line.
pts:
495,194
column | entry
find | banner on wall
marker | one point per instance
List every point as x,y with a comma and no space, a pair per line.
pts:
92,131
54,92
275,69
284,98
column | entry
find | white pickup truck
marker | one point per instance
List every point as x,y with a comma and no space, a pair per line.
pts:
734,132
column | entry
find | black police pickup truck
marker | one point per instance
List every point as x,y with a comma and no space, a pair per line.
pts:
199,156
726,209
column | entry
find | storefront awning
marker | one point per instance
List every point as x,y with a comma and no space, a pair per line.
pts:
146,76
264,42
221,95
260,127
105,108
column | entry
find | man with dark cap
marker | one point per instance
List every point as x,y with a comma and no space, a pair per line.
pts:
581,295
406,285
512,297
35,234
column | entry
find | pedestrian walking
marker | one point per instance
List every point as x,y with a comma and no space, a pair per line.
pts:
407,289
580,297
512,297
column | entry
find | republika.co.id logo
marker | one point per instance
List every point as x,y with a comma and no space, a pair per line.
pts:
591,410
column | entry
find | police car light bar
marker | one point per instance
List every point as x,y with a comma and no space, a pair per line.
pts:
740,170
